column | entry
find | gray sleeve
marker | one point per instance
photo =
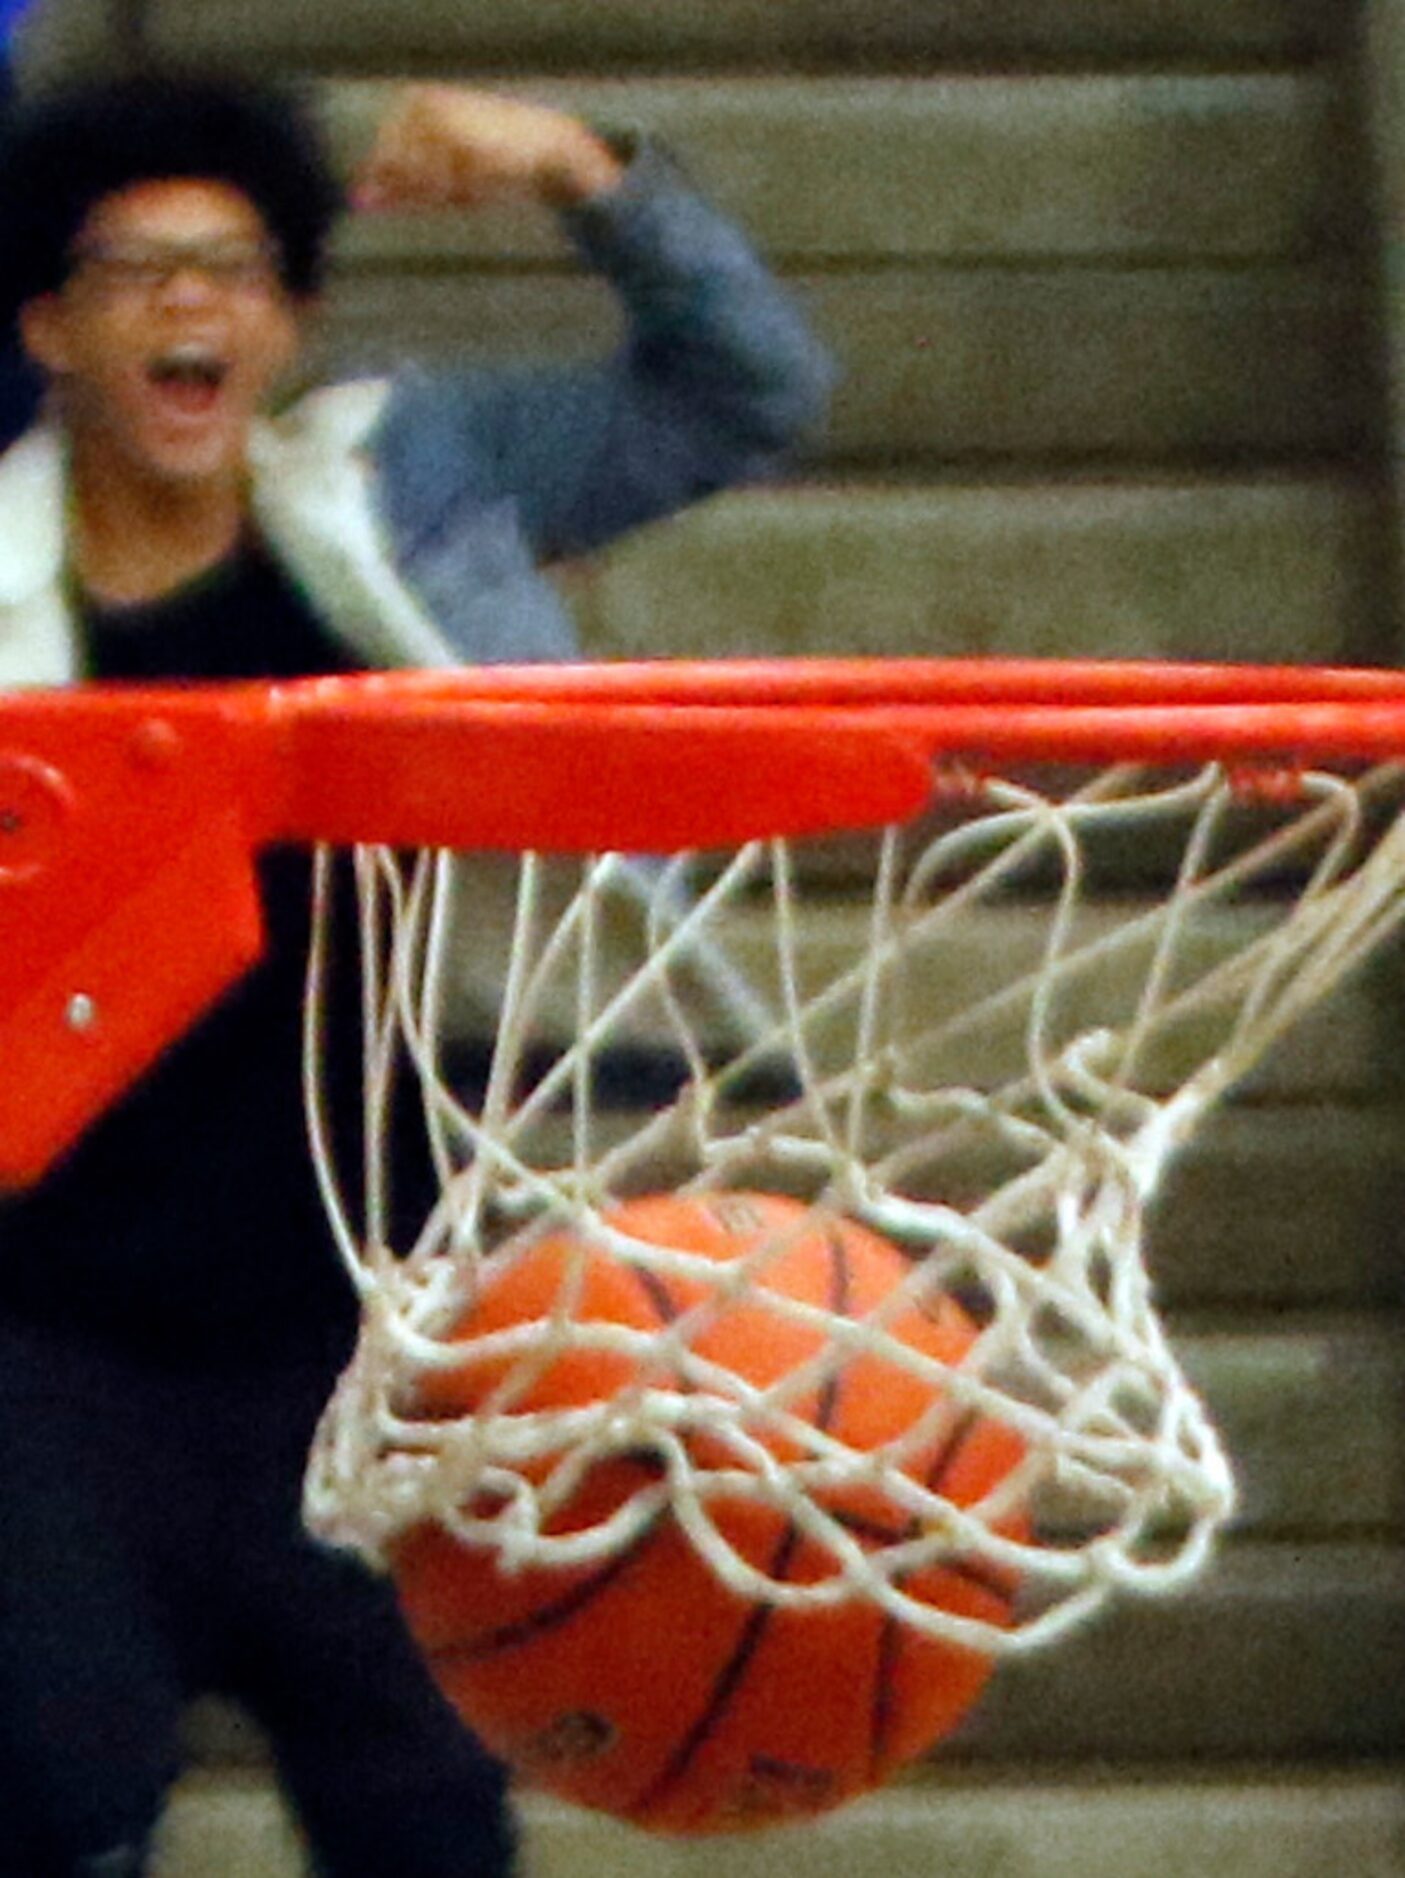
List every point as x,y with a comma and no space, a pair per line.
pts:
718,376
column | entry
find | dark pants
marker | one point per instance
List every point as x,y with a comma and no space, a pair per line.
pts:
151,1549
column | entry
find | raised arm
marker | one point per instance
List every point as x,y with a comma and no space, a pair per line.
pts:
717,376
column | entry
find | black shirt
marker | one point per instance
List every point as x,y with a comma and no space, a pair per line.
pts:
186,1223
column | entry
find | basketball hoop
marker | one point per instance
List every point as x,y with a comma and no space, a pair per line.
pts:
1095,896
1006,1116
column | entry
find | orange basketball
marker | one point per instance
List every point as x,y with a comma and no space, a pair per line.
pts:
643,1685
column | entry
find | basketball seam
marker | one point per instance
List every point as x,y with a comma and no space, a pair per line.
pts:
730,1678
971,1570
550,1616
894,1634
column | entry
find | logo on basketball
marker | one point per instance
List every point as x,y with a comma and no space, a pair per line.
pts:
572,1740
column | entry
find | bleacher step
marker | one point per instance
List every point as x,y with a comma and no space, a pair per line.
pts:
1142,165
1256,1822
1285,1207
1313,1419
1287,1650
948,365
958,1009
1267,568
443,35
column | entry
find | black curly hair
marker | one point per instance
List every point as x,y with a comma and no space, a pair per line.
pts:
64,150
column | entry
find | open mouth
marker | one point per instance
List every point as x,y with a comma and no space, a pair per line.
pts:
188,379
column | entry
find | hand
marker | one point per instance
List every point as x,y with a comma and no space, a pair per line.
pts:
443,146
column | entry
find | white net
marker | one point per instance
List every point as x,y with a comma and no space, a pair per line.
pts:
992,1061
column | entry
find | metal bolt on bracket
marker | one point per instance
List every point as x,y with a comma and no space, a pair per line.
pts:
82,1012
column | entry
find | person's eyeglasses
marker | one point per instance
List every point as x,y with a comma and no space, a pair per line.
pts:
145,267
